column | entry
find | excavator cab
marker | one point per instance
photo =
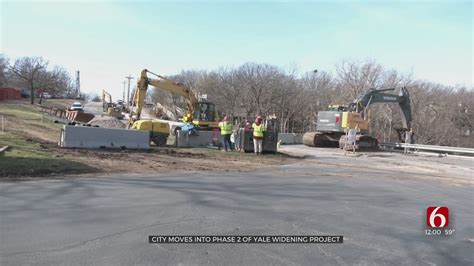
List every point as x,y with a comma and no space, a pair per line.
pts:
206,114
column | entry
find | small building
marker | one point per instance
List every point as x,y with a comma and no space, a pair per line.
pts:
7,93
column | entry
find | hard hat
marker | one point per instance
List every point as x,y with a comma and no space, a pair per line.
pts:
258,119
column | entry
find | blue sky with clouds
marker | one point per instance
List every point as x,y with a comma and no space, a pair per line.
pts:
108,40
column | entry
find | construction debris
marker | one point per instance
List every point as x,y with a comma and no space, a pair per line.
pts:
4,148
107,122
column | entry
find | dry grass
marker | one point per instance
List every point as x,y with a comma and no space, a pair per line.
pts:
25,120
26,157
35,152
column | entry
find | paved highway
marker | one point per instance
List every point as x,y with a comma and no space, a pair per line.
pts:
107,220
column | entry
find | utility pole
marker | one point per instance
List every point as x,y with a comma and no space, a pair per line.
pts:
312,117
128,91
78,85
123,96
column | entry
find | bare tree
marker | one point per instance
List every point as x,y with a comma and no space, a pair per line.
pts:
4,74
31,71
356,78
56,81
441,114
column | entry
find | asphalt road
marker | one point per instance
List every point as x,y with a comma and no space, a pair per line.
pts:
94,108
107,221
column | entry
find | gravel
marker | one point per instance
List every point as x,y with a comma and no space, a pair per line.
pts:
107,122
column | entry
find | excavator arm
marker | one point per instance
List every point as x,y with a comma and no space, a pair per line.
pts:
165,84
176,88
106,100
378,96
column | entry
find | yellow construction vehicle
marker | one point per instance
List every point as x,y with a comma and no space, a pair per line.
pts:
202,114
159,131
108,107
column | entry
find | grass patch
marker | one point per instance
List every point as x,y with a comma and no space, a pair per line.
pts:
21,111
28,115
27,158
21,147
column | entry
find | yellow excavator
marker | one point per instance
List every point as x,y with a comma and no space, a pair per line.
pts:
202,114
108,107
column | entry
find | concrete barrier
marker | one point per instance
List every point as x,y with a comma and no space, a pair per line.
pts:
202,139
95,137
290,138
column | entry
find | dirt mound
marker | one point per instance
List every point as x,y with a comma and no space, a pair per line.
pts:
107,122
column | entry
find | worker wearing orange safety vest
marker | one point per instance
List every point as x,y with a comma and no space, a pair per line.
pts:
226,131
258,129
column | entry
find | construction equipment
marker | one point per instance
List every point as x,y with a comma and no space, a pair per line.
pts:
108,107
202,114
332,124
159,131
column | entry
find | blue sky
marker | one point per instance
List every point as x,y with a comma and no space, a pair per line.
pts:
108,40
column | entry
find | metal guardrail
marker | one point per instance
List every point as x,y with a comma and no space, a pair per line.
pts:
434,148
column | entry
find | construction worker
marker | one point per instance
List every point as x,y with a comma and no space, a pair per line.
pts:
187,118
258,129
226,131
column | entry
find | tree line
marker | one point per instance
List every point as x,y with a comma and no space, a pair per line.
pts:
37,76
442,115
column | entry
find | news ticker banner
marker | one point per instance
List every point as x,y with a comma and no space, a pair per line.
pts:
205,239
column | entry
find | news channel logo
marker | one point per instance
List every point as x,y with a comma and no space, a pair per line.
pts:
438,221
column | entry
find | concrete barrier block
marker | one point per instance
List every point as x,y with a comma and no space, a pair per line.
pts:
95,137
203,139
299,139
290,138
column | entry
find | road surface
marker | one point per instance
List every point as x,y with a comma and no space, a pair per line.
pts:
380,213
94,108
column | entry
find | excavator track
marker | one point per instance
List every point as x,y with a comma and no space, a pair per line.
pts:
363,142
336,139
320,139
